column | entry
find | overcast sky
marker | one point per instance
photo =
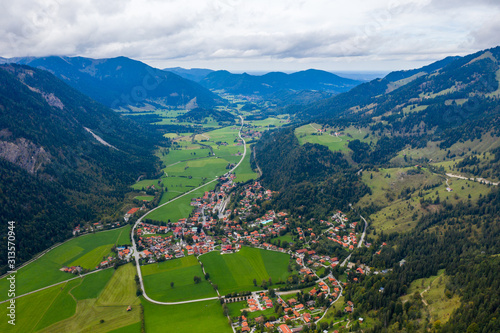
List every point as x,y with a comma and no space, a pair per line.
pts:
252,35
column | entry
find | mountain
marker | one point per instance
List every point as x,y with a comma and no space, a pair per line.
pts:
123,82
455,99
65,159
269,83
193,74
416,157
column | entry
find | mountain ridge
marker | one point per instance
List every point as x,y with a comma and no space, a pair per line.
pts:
311,79
122,82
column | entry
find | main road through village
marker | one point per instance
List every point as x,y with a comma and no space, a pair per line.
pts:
134,246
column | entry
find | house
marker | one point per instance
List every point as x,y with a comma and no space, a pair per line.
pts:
284,329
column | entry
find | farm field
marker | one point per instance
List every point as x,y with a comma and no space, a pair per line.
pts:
80,250
34,307
157,278
189,168
110,306
235,272
180,208
244,171
207,168
48,307
92,285
185,318
144,197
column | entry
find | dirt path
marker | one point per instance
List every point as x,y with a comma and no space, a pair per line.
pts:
422,295
472,179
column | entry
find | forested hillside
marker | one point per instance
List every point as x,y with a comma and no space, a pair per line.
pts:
55,173
122,82
311,179
388,148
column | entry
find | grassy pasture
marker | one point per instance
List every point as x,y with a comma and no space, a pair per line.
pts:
432,290
244,171
45,270
401,214
110,306
92,258
309,133
157,278
235,272
32,307
92,285
144,197
185,318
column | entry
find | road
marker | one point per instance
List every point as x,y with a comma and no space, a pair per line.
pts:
338,297
55,284
134,246
472,179
256,164
360,243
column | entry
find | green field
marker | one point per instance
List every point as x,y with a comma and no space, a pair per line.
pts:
185,318
180,208
157,279
92,285
309,133
45,270
144,197
235,272
110,306
244,171
79,305
33,309
189,166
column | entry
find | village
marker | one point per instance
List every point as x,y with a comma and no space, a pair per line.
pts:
212,226
230,217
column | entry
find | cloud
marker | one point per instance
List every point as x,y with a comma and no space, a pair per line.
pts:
231,31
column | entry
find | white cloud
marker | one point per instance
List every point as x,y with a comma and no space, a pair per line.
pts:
230,33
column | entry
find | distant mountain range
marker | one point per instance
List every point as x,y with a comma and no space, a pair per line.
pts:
193,74
122,82
64,158
246,84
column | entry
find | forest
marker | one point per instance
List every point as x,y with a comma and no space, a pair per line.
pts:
76,179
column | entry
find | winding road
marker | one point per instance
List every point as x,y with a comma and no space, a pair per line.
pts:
134,246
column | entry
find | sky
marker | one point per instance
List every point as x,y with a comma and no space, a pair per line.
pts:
253,35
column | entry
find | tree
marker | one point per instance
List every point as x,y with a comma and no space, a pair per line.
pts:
172,284
255,282
197,279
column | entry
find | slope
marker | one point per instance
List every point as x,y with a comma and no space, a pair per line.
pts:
55,174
